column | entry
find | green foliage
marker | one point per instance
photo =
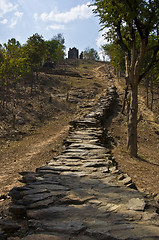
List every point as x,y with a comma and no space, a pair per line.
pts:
132,25
13,61
35,51
90,54
56,48
116,55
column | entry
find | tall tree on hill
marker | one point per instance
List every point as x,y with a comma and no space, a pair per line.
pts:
132,24
56,48
12,66
90,54
35,52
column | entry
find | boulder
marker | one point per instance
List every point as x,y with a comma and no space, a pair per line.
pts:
136,204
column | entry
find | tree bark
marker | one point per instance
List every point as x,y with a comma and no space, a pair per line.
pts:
134,76
132,121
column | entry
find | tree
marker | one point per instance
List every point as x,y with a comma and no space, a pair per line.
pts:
12,66
132,24
116,55
35,52
56,48
90,54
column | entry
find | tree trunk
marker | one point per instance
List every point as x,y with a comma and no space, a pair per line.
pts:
132,121
125,99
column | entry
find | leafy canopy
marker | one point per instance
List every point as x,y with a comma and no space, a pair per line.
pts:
35,50
90,54
134,25
56,48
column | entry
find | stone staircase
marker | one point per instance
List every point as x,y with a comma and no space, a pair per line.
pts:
81,194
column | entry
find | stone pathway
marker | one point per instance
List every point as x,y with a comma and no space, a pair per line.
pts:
80,194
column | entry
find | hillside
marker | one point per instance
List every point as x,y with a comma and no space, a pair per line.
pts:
42,122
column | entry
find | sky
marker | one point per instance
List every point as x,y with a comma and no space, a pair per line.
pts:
20,19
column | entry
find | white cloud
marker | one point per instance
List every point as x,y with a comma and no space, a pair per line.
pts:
6,7
78,12
18,14
35,16
101,39
55,27
4,21
14,20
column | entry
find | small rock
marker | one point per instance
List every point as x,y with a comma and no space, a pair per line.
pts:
121,177
29,178
150,216
136,204
132,186
15,194
127,180
3,197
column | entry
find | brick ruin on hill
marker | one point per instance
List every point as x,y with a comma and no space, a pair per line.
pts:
73,53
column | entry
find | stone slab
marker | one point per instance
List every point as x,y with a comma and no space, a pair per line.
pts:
28,199
45,237
50,187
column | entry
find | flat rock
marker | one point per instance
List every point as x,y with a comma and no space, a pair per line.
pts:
75,174
68,227
95,164
136,204
34,191
74,150
42,204
54,168
73,198
44,237
28,199
50,187
72,164
85,146
48,213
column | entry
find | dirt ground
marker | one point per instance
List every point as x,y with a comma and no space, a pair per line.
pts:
75,95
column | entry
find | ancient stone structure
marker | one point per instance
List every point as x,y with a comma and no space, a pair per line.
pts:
81,55
80,194
73,53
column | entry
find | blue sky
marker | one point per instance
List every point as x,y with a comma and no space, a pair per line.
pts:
20,19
